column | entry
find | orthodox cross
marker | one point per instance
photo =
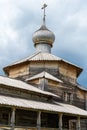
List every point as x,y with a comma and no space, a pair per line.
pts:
44,6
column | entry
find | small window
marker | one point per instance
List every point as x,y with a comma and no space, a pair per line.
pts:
68,97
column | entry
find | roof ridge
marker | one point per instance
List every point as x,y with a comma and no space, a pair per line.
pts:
46,75
36,53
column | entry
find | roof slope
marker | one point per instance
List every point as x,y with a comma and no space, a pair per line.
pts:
40,56
22,85
35,105
46,75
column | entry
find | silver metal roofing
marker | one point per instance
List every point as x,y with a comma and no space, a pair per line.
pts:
35,105
46,75
43,35
22,85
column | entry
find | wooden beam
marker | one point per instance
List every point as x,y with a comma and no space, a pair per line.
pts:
60,121
39,120
78,123
13,119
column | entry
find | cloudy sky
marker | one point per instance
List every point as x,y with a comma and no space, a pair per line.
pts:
66,18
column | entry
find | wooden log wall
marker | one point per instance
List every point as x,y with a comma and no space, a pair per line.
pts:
6,90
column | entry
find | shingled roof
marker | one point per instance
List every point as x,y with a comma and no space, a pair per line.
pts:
42,106
45,75
22,85
40,56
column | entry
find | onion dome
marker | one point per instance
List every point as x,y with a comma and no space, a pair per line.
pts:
43,35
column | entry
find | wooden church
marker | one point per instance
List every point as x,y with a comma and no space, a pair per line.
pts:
41,91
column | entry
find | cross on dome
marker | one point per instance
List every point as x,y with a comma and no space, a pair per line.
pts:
43,38
44,6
